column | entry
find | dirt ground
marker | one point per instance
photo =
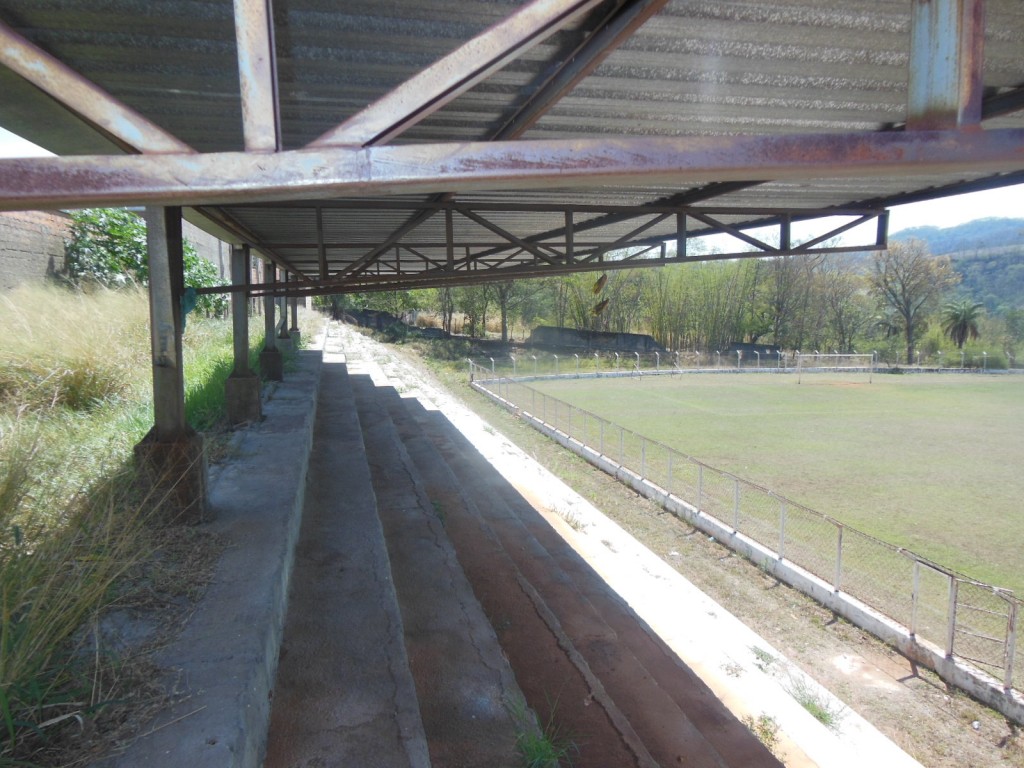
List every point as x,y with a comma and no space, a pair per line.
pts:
940,727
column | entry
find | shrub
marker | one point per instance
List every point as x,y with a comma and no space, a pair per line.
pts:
108,248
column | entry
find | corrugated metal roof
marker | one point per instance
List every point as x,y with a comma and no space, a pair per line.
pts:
693,69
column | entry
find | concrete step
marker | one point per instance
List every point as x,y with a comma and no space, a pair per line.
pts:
672,712
344,695
465,687
555,680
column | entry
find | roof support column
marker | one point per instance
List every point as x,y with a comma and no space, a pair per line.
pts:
242,388
946,58
271,363
284,339
293,331
171,458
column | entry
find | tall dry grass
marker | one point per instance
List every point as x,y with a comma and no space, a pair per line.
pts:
75,397
72,349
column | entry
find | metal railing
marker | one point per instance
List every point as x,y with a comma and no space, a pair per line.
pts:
967,619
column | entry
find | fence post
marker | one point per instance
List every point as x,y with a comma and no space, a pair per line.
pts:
668,486
602,437
544,407
643,456
838,580
954,586
533,401
1011,646
568,424
622,448
735,505
700,486
915,597
782,531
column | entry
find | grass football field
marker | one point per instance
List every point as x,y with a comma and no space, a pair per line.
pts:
930,462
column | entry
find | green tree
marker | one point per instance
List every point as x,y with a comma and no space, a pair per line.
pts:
960,321
909,280
108,247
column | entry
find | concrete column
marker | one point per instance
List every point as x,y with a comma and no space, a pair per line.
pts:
242,388
170,458
284,339
271,362
294,331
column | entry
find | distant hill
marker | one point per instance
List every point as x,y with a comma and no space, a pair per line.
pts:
988,253
980,234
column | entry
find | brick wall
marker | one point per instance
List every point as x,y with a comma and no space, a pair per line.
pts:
31,246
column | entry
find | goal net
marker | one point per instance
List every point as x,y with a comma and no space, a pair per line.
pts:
843,367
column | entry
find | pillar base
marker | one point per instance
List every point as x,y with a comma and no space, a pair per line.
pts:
242,396
173,474
296,337
272,364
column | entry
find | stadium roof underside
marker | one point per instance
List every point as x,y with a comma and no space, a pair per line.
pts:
382,144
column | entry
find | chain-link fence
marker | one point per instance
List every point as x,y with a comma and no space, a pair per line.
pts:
972,621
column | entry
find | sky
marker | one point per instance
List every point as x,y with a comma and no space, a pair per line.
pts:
1007,202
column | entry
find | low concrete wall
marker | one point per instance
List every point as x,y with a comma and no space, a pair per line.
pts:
223,664
966,677
31,246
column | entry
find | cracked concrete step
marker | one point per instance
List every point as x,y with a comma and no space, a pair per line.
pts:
555,680
343,695
674,713
463,681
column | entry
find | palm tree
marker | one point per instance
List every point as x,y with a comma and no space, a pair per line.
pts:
960,321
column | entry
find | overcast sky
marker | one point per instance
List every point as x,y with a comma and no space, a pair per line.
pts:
1007,202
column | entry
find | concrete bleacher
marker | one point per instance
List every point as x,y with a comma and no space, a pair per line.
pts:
387,598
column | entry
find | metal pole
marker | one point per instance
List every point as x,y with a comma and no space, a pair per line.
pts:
643,456
602,437
700,486
166,285
954,587
915,597
668,486
736,505
1011,646
837,582
240,309
622,452
782,532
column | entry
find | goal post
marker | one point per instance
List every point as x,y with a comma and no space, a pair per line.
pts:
852,363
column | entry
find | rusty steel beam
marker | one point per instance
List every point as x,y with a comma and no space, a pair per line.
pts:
128,129
571,69
1003,103
946,59
257,75
565,75
429,90
222,178
226,227
510,237
440,278
593,256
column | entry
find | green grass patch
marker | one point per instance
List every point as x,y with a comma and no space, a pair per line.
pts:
927,462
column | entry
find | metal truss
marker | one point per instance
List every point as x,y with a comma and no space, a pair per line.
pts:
416,263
